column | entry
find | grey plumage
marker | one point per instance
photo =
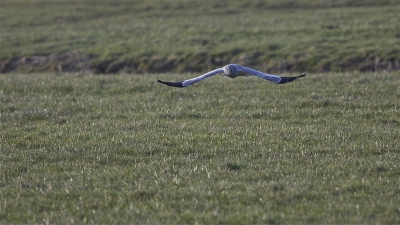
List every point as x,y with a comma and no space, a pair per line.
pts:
233,71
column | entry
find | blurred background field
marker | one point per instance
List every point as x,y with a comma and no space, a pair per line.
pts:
195,36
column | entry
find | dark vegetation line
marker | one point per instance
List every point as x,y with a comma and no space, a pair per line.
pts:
198,62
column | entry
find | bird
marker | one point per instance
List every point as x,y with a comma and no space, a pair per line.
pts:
233,71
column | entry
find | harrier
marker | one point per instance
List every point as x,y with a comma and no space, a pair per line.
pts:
233,71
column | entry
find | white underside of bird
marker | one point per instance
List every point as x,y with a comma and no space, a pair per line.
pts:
233,71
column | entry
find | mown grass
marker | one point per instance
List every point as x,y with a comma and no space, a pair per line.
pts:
125,149
162,36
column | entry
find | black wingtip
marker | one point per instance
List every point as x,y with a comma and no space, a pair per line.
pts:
301,75
285,80
171,84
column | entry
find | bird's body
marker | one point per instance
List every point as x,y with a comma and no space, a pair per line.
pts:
233,71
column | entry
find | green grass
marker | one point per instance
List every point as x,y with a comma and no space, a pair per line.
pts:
124,149
179,36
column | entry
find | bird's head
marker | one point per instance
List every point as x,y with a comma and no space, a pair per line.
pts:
231,70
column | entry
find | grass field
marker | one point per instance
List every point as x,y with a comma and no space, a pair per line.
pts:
137,36
124,149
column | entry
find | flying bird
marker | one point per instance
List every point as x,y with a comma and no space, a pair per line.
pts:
233,71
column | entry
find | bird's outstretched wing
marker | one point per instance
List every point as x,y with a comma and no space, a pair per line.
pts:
274,78
186,83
